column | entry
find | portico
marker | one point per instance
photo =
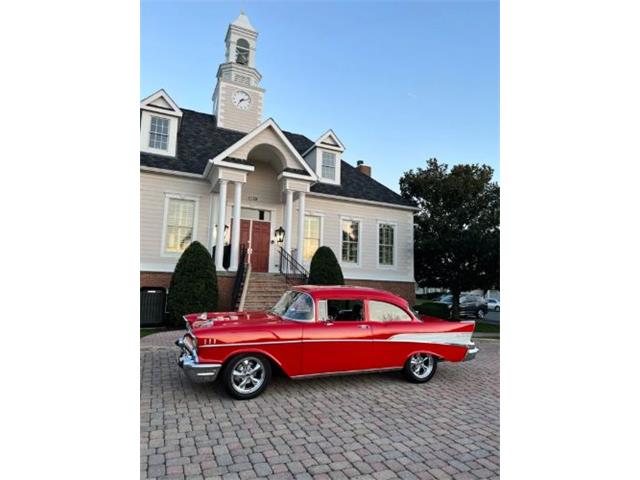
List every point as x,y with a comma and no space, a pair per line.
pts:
258,174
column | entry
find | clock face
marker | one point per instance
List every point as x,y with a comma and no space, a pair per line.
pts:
241,100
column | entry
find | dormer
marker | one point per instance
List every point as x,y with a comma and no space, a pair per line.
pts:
159,122
325,157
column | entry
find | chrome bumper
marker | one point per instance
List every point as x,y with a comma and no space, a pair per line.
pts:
194,370
472,351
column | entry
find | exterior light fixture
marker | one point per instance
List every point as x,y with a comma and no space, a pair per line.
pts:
280,235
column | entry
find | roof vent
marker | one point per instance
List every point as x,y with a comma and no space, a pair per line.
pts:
362,168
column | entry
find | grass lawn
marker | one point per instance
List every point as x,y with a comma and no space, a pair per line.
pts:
148,331
486,328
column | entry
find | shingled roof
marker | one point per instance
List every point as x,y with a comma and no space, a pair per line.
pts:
199,140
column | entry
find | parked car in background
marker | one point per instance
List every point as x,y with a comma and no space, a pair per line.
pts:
493,304
320,330
470,305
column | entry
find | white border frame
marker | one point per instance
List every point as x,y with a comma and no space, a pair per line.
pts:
394,265
358,264
194,235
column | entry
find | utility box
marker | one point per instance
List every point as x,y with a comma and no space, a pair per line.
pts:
152,306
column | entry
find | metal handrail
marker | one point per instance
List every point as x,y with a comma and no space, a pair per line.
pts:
291,268
237,284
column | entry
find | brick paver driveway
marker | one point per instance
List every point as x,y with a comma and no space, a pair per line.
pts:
364,426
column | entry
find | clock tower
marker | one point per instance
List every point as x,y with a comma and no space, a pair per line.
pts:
237,98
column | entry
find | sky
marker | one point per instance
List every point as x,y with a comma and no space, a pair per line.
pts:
398,82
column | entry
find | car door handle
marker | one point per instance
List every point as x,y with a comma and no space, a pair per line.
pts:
363,326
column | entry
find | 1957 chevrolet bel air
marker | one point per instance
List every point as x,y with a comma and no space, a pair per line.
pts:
320,330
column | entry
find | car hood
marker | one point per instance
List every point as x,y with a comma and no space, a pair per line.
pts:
254,318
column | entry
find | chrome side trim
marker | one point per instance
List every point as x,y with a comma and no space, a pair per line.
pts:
346,372
450,341
249,344
446,338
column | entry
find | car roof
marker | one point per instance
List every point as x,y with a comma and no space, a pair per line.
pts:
344,291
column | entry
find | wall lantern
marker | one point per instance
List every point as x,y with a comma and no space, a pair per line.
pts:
280,235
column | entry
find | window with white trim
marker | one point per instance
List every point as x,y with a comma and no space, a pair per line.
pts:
180,221
329,165
350,240
311,237
385,244
159,133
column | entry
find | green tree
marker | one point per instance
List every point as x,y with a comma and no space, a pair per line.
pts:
457,230
325,269
194,285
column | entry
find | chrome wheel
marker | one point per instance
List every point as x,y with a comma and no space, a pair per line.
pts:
248,375
421,365
480,314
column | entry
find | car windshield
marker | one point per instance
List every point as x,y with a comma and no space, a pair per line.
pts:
295,305
446,298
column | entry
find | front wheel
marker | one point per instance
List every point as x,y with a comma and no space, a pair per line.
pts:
497,309
247,375
420,367
480,314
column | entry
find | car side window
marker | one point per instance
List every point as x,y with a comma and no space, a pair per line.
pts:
340,310
387,312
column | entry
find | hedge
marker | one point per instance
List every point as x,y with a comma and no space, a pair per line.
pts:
194,285
433,309
325,269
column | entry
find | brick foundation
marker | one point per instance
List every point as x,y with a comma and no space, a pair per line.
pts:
406,290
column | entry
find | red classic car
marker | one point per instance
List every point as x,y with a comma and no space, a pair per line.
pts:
320,330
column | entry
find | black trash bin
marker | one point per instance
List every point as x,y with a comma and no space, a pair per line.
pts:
152,305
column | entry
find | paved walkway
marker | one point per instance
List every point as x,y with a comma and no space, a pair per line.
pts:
375,426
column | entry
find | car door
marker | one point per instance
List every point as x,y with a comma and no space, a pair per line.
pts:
339,342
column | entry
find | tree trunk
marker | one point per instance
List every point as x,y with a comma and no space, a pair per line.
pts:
455,305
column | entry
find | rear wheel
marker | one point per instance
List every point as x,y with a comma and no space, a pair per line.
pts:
480,314
247,375
420,367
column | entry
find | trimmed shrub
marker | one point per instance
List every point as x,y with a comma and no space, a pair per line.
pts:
194,285
325,269
433,309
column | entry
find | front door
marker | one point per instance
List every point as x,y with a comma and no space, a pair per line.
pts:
260,236
256,234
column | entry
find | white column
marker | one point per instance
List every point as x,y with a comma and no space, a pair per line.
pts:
222,210
288,214
235,228
300,245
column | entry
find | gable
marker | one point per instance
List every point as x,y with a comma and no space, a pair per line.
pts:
161,102
267,142
329,141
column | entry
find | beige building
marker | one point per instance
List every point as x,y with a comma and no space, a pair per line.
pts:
233,181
